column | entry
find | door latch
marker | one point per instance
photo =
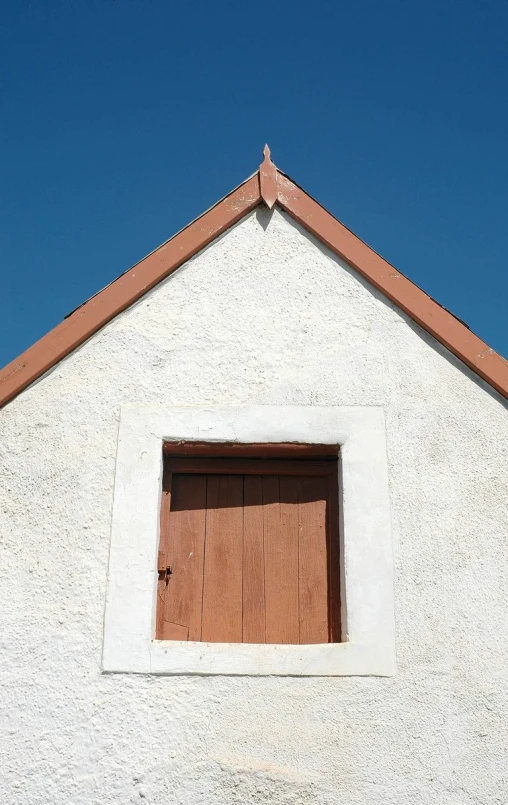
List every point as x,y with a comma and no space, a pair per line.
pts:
165,574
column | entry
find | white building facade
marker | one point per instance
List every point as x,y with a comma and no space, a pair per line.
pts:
264,334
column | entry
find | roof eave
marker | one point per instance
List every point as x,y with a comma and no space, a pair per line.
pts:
270,186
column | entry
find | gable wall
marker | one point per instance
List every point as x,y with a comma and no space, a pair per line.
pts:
263,316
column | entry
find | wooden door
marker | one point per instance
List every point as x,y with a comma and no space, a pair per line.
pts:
248,551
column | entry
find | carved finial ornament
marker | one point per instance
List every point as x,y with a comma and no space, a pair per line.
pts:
268,179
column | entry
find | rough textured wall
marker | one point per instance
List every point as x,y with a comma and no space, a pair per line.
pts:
262,316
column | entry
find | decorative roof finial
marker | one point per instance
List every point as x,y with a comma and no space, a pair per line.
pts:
268,179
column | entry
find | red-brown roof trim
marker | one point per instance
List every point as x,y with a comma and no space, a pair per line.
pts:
430,315
270,186
127,289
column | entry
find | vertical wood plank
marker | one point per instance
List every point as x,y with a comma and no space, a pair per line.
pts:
313,560
162,561
222,584
333,545
253,561
185,550
280,510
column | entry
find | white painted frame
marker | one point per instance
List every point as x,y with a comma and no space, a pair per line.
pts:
366,542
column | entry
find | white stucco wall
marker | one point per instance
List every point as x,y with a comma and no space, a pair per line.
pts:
263,316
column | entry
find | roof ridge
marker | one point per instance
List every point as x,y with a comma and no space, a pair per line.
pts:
267,185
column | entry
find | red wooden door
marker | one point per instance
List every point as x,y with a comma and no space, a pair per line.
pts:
252,554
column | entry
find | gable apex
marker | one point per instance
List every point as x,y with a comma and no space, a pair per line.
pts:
269,186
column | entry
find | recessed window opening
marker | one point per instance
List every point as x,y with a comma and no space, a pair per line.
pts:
249,545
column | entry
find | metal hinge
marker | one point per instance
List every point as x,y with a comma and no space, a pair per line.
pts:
164,574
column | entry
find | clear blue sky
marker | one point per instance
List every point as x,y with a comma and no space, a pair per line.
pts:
122,120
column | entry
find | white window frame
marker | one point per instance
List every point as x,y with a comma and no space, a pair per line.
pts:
367,605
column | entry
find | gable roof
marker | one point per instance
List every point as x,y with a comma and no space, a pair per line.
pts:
269,186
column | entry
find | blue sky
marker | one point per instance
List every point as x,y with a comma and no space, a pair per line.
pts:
122,120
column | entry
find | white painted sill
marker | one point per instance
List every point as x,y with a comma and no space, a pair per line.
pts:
366,544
